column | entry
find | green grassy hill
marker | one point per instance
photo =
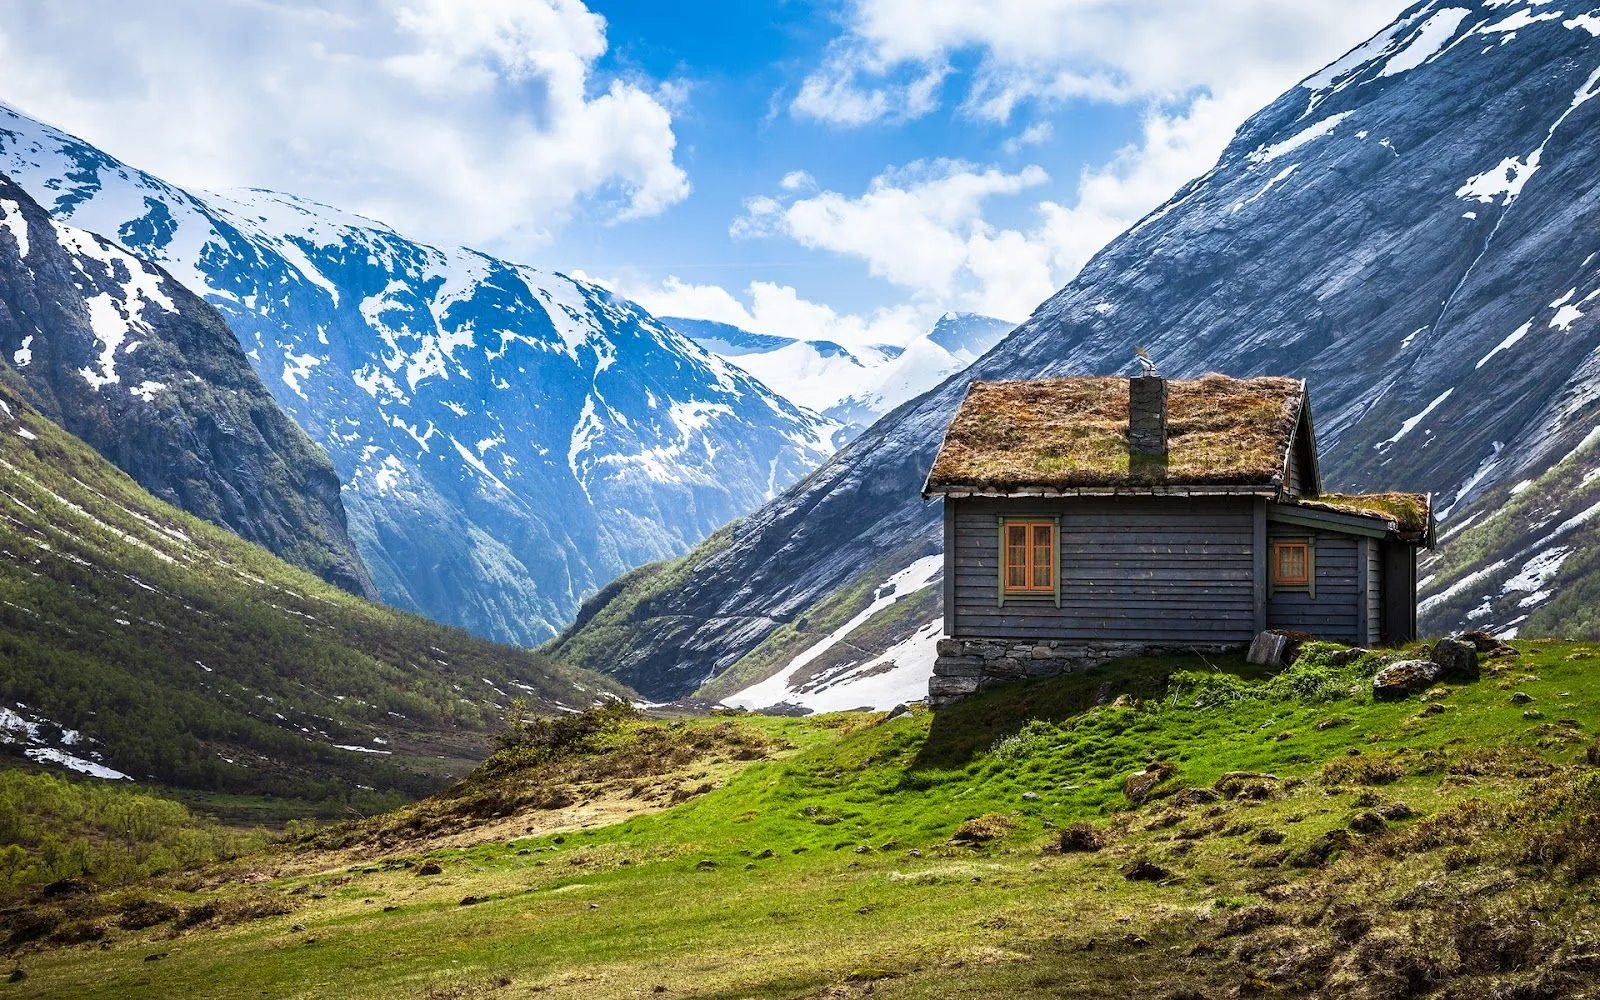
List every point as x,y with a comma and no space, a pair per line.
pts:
1163,828
137,638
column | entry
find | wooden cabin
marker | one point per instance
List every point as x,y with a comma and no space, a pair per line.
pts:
1089,518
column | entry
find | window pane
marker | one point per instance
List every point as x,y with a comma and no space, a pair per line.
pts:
1043,563
1016,556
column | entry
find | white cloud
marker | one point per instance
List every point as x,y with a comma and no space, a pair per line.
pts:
476,120
1199,70
1053,50
920,227
780,310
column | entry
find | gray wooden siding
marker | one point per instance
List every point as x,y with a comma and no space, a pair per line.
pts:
1374,592
1337,611
1154,569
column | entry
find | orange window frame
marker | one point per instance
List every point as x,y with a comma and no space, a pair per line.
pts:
1287,552
1029,557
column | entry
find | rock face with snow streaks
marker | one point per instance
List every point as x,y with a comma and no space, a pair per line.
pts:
1414,230
124,357
509,439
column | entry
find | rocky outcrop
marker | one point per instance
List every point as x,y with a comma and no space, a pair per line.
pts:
967,666
1405,678
122,356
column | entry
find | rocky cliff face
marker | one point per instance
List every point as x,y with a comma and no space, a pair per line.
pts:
118,353
509,438
1415,230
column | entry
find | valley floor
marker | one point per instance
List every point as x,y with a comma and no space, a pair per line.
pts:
1161,828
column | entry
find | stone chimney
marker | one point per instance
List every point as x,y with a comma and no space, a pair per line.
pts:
1147,415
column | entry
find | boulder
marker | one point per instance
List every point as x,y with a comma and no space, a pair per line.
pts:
1138,785
1458,659
1268,649
1405,678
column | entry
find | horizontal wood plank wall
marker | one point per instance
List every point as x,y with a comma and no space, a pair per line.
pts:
1137,569
1336,612
1374,593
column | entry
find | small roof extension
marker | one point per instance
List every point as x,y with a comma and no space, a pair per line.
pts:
1069,437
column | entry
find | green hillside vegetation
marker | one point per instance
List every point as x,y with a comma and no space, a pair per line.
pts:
187,657
1170,828
55,829
1500,526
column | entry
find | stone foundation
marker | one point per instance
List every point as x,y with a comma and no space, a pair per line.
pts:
967,666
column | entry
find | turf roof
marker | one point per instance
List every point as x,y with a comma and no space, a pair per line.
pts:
1410,513
1067,433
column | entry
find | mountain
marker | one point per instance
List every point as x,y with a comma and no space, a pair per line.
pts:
509,439
856,387
131,362
141,642
1415,229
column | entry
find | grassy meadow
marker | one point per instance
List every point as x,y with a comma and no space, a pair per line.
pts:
1171,828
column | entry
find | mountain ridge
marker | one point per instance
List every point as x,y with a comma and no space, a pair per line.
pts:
115,350
509,439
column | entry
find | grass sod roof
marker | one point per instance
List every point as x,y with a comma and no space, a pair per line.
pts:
1410,513
1068,433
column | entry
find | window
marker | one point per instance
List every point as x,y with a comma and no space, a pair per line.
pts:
1292,566
1029,557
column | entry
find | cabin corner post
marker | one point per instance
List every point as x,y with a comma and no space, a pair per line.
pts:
1261,563
949,566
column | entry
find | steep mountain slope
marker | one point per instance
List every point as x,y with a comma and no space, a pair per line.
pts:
510,439
131,362
138,641
857,387
1415,230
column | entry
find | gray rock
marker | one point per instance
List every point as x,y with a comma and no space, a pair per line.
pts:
1267,649
1458,659
1407,677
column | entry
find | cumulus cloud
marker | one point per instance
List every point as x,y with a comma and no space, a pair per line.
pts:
1054,50
919,226
476,120
1198,71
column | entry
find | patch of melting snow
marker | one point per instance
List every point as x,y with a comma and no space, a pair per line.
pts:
778,688
358,749
1267,154
53,756
1536,572
1433,36
22,357
1461,586
12,219
1511,341
1412,422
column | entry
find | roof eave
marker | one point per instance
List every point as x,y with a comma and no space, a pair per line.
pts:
1170,489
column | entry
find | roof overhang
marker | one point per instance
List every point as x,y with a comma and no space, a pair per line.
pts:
1269,490
1368,525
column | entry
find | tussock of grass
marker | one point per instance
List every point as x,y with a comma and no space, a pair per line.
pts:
1073,432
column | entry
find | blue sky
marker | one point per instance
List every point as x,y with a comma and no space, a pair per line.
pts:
846,169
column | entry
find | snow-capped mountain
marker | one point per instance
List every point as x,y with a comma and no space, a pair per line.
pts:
852,387
509,439
1415,230
124,357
